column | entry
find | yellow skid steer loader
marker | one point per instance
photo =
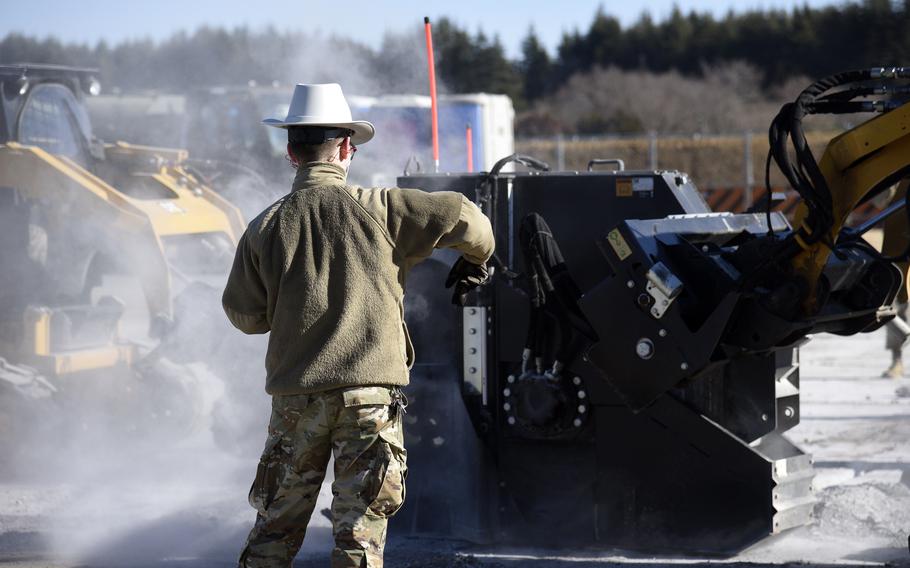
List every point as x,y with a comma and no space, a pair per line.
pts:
97,239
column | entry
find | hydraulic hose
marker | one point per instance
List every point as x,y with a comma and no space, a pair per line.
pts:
805,176
522,159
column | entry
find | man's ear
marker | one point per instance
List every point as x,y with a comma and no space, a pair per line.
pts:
346,149
291,157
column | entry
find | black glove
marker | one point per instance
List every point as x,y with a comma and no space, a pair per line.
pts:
465,276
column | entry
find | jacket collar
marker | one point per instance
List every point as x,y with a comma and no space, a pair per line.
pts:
319,174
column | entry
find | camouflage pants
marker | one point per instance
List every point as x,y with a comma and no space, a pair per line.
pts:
361,427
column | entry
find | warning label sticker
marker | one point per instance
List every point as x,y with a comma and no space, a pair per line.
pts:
619,244
635,187
642,184
643,187
624,187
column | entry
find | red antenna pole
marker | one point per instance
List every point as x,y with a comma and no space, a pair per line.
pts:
431,67
469,142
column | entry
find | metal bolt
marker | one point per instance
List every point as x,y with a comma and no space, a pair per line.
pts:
684,366
472,311
764,417
507,392
630,284
473,331
644,348
582,394
576,381
704,248
472,350
644,299
511,420
511,379
582,409
577,422
789,412
507,407
472,370
662,333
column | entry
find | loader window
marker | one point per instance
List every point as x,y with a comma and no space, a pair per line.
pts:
49,121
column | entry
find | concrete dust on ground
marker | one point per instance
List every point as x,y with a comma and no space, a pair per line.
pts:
183,503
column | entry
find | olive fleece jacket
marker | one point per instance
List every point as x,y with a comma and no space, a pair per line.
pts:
324,268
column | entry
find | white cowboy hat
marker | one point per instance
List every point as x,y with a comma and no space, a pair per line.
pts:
323,105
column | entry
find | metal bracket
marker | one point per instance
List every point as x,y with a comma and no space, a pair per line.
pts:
474,352
663,286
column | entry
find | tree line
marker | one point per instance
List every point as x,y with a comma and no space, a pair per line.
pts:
771,47
781,44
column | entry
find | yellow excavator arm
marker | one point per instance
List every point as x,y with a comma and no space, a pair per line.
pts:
872,155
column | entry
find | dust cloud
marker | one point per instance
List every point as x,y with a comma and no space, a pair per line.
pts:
149,461
154,462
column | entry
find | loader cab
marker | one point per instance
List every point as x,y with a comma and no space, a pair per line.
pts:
95,229
42,106
53,120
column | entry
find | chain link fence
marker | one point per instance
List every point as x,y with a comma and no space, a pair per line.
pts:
724,164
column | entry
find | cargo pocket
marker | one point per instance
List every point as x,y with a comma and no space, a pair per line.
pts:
265,485
278,452
391,492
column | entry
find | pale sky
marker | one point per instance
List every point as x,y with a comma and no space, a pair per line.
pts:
365,20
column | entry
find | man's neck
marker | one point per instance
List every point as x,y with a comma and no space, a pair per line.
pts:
315,174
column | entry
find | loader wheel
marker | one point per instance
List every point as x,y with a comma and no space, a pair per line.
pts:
240,425
172,397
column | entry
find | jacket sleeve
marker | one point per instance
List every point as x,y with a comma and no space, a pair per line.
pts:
419,221
472,235
245,299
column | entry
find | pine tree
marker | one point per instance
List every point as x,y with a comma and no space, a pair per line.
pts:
536,67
